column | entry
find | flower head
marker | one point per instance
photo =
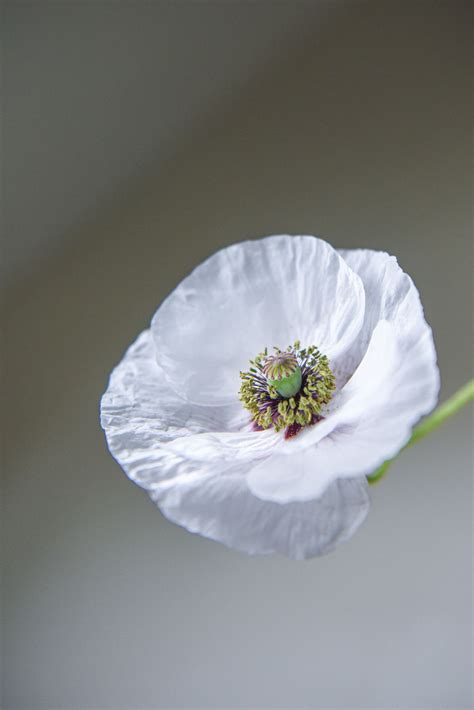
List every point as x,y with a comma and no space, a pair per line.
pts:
272,456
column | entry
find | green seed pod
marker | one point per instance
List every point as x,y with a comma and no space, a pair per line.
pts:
283,373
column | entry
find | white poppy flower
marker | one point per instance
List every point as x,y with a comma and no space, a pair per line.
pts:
226,454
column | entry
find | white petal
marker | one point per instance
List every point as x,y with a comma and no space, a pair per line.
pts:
222,508
143,420
390,295
227,447
147,425
248,296
376,410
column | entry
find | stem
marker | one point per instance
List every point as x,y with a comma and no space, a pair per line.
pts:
446,410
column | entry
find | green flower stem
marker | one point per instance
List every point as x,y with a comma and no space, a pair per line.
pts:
446,410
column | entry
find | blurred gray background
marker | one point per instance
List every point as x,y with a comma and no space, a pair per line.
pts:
139,137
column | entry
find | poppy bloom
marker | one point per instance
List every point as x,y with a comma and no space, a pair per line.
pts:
273,379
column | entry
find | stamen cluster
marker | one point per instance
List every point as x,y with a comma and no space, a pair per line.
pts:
268,408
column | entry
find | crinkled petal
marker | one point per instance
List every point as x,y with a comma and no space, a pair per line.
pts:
228,447
222,508
249,296
391,295
142,417
374,417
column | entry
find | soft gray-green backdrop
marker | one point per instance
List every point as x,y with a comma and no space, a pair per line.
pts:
358,131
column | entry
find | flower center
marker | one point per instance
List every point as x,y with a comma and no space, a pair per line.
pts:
283,373
287,390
